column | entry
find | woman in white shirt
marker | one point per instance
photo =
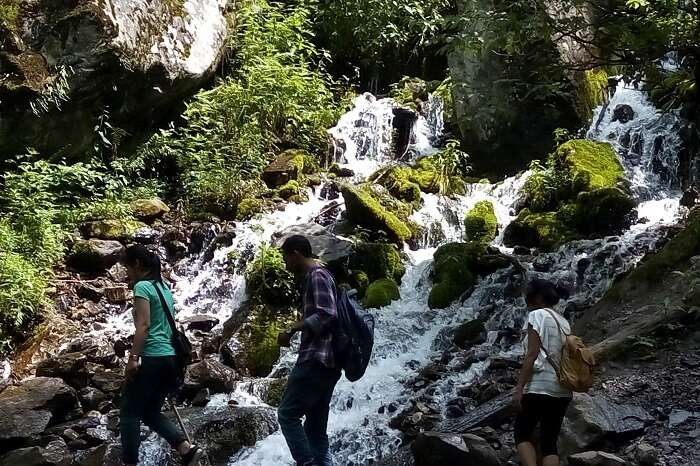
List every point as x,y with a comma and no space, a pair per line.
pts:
539,397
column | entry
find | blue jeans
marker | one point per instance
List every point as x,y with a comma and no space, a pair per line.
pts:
308,393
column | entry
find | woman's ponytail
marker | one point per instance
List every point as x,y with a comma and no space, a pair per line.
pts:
150,261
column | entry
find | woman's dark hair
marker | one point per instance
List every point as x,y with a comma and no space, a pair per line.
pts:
138,253
548,291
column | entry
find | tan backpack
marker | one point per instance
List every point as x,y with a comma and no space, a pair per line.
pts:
575,371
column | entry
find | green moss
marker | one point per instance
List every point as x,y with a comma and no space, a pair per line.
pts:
9,13
453,272
381,293
248,208
258,342
365,210
268,281
274,392
397,181
604,211
378,260
360,282
426,175
592,85
289,189
546,230
119,230
410,92
480,223
588,164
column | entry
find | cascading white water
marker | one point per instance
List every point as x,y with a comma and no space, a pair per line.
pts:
407,328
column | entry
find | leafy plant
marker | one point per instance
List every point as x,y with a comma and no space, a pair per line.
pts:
451,165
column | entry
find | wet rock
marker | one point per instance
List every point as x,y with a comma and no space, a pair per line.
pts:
108,380
118,273
70,367
29,408
521,251
149,209
544,263
103,455
118,230
341,172
623,113
176,250
201,322
95,255
90,292
55,453
470,334
330,191
146,235
202,398
436,449
646,455
117,294
201,234
224,430
274,390
595,458
91,398
594,422
210,374
286,167
492,413
679,416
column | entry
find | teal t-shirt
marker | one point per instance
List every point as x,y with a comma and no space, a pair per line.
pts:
158,341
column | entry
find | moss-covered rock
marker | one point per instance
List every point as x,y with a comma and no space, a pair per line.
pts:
480,223
426,175
288,166
378,260
257,350
268,281
604,211
588,165
359,281
453,266
545,230
119,230
381,293
364,209
410,92
289,189
591,92
248,208
149,209
274,391
398,181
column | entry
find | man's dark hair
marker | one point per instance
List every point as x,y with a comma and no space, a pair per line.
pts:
299,244
548,291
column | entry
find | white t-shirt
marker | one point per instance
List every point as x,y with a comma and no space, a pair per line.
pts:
544,378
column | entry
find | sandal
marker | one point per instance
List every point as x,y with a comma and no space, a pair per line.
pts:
192,457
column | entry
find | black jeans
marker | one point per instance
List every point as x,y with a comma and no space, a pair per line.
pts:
548,412
308,393
143,400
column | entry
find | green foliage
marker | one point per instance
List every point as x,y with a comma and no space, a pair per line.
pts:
279,96
451,164
9,13
591,92
268,281
381,293
480,223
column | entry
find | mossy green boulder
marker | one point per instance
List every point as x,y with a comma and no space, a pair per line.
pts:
248,208
289,189
288,166
591,91
545,230
381,293
398,181
426,175
119,230
453,272
480,223
359,281
604,211
268,281
378,260
589,165
364,209
274,391
257,350
149,209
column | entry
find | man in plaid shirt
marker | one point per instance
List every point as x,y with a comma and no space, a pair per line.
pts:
313,378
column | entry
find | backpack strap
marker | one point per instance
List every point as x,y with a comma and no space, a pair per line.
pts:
549,358
166,309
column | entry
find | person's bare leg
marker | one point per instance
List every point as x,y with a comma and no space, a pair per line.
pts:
551,460
528,454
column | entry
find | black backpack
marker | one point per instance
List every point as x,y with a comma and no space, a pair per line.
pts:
182,345
353,338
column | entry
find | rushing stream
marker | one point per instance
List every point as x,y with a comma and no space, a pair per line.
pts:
406,329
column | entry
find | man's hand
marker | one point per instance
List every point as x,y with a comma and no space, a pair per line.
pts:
132,367
284,339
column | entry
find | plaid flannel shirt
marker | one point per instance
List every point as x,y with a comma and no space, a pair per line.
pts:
319,312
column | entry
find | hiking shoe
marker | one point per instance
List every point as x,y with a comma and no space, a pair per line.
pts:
192,457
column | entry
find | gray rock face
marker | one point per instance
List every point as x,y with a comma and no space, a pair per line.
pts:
592,422
436,449
210,374
595,458
69,65
224,430
328,247
95,255
55,453
29,408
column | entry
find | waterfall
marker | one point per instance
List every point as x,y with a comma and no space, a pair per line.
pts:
407,330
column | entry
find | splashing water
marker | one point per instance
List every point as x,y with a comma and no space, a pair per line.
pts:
407,329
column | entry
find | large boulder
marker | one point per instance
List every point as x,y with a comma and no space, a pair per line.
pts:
287,166
378,260
95,255
593,422
437,449
111,229
481,224
149,209
71,67
364,209
330,249
210,374
381,293
70,367
453,272
29,408
224,430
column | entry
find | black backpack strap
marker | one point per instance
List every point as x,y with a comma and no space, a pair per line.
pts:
166,310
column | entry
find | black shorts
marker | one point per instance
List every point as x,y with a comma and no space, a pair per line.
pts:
548,412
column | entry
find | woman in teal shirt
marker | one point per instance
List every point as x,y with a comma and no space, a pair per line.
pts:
152,371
